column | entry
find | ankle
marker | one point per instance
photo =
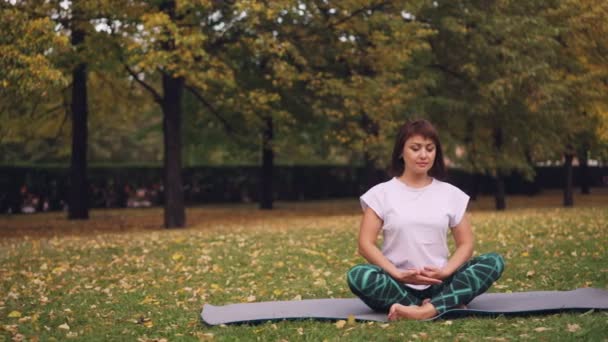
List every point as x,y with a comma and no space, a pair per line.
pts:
429,308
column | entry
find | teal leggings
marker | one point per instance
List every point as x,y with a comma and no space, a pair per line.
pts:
379,290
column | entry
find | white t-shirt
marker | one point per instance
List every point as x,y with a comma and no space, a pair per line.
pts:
416,221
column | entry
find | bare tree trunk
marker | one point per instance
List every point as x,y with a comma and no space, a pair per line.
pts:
584,171
568,188
175,212
266,198
78,207
501,203
371,128
500,197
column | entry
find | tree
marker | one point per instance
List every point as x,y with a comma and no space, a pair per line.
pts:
583,45
491,84
30,76
78,198
169,45
354,53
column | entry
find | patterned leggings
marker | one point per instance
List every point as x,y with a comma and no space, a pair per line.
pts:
379,290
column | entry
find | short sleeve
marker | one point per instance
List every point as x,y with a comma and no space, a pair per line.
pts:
373,198
458,206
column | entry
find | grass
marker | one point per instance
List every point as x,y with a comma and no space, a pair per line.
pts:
120,277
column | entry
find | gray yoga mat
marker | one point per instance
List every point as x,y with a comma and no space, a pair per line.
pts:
488,304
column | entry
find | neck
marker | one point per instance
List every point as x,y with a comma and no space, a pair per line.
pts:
416,180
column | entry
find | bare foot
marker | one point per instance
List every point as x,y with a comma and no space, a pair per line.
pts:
398,311
461,306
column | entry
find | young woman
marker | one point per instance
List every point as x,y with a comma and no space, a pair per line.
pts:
413,276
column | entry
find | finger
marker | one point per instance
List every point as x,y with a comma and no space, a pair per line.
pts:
430,268
429,280
413,270
410,272
430,274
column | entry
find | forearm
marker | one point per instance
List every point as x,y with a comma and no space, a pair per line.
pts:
374,256
461,255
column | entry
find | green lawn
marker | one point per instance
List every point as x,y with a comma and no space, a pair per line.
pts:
119,277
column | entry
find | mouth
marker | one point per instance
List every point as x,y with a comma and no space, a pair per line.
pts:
422,164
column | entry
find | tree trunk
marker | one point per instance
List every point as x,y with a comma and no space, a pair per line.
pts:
266,198
584,171
372,129
78,207
501,203
473,186
175,213
369,171
500,197
568,189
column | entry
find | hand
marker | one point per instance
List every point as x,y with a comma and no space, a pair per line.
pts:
413,276
433,272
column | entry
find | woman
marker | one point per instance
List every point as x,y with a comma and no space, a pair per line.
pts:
412,276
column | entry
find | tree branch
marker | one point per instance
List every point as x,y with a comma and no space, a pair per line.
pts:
211,109
357,12
157,97
448,71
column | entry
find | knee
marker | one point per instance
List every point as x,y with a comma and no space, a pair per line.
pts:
356,276
497,262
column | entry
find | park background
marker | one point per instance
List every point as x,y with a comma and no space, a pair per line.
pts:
188,104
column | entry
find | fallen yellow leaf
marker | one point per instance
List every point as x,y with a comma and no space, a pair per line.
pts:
14,314
340,324
573,327
177,256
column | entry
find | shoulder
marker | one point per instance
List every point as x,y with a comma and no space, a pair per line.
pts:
448,188
382,187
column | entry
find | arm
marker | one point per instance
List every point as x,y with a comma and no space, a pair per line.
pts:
463,237
368,234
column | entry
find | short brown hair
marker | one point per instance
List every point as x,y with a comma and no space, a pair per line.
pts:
426,129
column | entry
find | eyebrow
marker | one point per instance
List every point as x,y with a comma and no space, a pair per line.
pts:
416,143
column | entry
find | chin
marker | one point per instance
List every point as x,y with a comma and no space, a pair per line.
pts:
422,171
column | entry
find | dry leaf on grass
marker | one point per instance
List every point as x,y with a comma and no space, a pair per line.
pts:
14,314
340,324
573,327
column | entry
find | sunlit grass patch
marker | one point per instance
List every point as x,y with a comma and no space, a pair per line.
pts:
151,283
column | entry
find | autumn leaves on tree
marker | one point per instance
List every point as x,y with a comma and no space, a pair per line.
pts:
509,83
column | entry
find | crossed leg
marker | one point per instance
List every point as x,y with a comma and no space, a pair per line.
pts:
383,293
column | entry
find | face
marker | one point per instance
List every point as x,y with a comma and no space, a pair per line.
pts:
419,154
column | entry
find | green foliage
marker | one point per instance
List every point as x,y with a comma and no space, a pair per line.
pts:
489,83
336,78
29,79
27,48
